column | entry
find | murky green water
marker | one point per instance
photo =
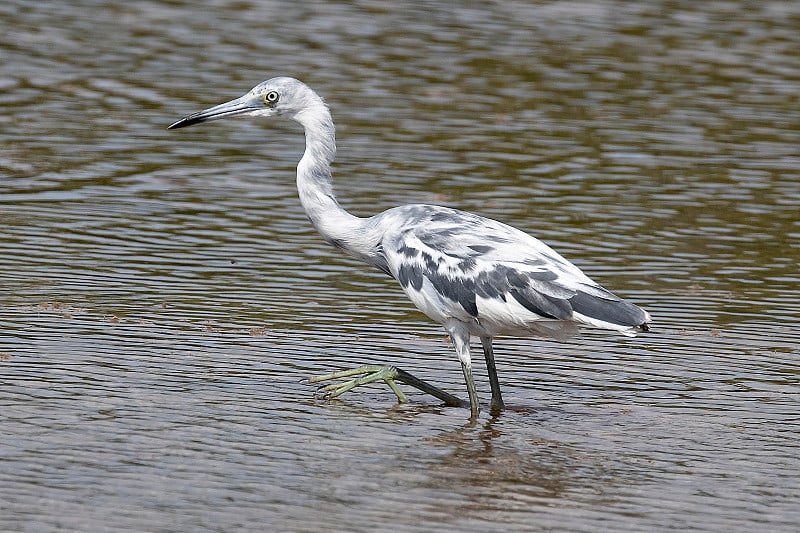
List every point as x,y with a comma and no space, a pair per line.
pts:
162,296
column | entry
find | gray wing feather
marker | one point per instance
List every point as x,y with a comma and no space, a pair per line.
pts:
465,257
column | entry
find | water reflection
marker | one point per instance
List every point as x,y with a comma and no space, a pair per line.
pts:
486,466
162,301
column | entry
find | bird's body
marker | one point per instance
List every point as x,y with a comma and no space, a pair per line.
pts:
490,276
476,276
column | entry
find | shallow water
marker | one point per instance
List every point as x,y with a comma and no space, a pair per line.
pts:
162,297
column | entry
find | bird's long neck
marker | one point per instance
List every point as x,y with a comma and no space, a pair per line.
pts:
314,186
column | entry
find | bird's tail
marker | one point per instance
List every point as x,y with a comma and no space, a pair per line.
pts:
614,314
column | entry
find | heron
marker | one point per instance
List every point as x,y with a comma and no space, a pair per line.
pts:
476,276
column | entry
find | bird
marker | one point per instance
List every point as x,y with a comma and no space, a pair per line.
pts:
476,276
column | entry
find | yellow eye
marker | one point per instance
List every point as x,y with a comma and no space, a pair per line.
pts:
271,97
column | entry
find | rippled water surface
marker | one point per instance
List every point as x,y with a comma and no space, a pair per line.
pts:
162,296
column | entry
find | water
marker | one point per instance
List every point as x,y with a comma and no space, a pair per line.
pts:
162,296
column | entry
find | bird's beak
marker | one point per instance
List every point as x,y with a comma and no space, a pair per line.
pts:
240,106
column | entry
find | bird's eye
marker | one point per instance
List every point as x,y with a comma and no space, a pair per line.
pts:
271,97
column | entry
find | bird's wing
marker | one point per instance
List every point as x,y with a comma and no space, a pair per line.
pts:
457,264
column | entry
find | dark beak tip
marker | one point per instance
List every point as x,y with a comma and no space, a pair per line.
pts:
179,124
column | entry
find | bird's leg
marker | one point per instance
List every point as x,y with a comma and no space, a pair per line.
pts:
488,354
366,374
459,333
424,386
474,408
389,374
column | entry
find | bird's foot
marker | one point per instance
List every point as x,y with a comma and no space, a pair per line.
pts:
365,374
388,374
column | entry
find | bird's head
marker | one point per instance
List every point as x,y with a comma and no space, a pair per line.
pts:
275,97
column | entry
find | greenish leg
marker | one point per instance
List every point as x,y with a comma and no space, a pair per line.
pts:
389,374
367,374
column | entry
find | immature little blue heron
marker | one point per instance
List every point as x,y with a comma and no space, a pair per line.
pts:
474,275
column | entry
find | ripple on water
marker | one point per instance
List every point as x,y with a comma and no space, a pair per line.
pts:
163,298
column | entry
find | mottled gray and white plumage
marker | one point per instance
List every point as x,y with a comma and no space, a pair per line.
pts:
474,275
